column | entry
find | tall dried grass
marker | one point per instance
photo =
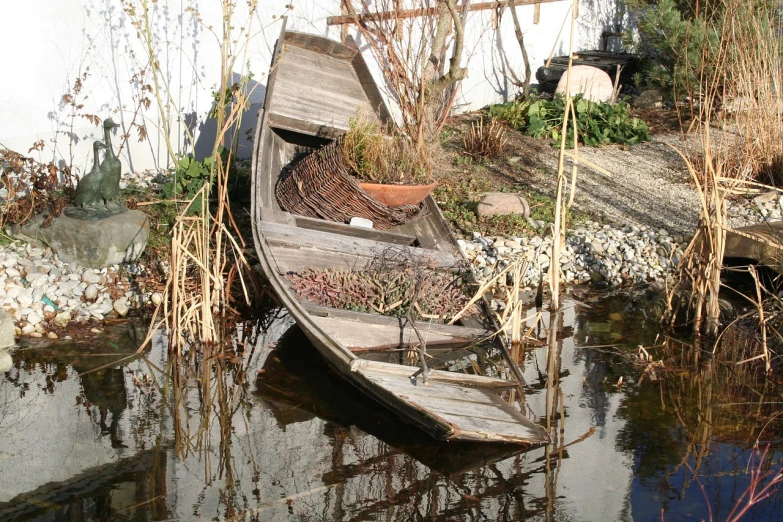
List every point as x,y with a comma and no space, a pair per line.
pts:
742,93
559,226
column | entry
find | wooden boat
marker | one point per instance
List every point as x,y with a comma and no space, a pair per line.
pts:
315,86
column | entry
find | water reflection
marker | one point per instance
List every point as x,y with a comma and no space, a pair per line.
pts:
262,429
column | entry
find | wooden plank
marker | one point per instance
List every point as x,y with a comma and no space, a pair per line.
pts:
320,44
431,230
367,81
295,123
475,414
472,428
372,319
762,243
348,230
329,97
355,334
293,258
443,391
352,247
427,11
323,73
376,367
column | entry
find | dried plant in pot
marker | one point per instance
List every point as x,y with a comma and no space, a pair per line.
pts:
388,164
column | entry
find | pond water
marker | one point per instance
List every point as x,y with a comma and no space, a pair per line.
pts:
89,433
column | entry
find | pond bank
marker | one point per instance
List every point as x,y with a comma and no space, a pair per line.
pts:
43,294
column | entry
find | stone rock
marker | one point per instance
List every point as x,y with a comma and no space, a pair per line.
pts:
738,104
121,306
536,223
25,300
28,329
91,292
649,99
34,318
6,330
593,83
90,277
92,243
761,200
62,319
156,298
503,203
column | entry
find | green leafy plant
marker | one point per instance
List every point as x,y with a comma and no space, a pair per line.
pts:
459,199
384,157
513,113
598,123
189,177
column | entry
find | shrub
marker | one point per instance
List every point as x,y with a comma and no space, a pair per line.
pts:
676,40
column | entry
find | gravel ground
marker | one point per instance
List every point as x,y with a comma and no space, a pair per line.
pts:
649,186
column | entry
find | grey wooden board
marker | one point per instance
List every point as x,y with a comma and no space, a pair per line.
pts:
474,413
347,249
399,370
431,230
317,89
355,334
290,257
367,318
762,243
348,230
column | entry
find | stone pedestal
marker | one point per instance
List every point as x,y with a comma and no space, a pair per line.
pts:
93,243
7,338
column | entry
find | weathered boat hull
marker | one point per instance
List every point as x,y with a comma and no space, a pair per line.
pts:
452,406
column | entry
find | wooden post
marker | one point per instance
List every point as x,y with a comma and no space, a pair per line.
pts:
537,13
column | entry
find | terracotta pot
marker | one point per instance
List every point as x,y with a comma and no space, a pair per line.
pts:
396,195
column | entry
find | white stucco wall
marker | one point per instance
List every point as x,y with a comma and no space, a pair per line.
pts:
48,45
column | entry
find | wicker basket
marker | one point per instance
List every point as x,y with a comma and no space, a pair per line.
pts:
321,186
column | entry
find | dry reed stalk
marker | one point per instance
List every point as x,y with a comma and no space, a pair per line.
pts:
559,226
762,319
204,248
747,70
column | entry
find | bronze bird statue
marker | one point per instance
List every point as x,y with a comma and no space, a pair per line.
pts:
111,168
88,190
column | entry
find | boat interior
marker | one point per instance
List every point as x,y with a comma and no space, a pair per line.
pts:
294,129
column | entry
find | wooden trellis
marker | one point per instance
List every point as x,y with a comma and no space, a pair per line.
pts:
432,11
